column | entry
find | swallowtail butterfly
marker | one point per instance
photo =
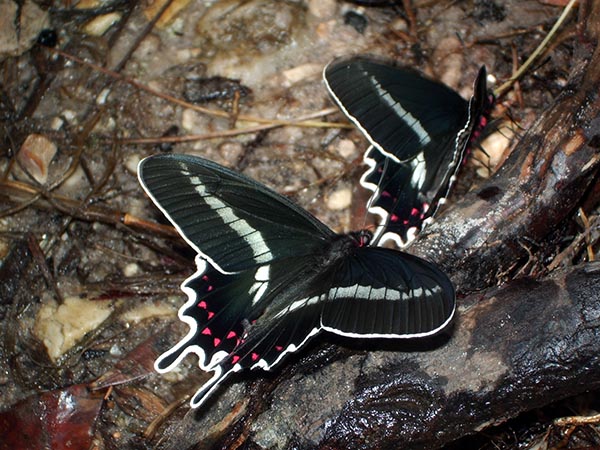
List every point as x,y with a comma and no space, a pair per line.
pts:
270,276
419,130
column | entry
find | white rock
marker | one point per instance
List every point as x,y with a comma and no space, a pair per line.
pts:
60,327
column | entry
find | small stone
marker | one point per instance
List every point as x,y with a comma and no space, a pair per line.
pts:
131,270
115,350
188,119
168,15
302,72
131,163
60,327
231,151
100,25
347,149
20,26
495,146
35,156
339,200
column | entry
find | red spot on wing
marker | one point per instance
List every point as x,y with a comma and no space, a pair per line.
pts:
207,331
414,212
210,314
231,334
394,218
202,304
216,341
234,359
278,348
210,288
254,356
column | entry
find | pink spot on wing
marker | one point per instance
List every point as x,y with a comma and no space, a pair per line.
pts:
386,194
207,331
217,341
254,356
425,207
202,304
278,348
231,334
210,288
210,314
234,359
394,218
205,278
414,212
405,222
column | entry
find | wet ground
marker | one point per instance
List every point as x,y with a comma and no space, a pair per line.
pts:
90,286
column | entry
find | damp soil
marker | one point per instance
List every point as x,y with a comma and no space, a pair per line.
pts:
90,272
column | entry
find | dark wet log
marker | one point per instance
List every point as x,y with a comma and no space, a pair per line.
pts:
542,183
513,349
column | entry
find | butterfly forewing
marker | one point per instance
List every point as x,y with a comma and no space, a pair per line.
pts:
231,220
398,110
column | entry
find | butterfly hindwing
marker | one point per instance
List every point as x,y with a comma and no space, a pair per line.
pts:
216,309
402,210
385,293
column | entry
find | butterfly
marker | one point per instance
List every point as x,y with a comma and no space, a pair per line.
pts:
419,131
270,276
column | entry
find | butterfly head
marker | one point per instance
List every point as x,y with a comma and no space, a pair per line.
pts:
362,238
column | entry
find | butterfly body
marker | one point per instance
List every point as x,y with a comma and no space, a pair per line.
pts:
270,276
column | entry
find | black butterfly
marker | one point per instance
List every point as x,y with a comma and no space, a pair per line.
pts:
270,275
419,130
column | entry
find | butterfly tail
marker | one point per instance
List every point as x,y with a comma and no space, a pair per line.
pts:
221,373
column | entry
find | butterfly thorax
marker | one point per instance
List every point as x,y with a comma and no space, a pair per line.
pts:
344,245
